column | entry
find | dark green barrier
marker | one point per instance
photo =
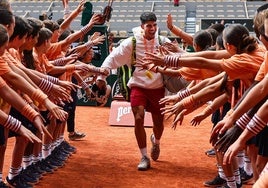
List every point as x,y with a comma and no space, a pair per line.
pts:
102,49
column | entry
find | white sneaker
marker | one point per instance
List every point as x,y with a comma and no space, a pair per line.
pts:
144,164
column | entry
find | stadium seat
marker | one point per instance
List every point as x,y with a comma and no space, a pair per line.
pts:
123,33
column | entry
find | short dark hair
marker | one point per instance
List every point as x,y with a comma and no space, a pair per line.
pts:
21,29
36,25
147,16
6,16
203,39
217,26
44,35
3,34
51,25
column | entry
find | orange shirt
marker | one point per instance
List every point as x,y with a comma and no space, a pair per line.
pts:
15,55
263,69
4,106
41,62
54,51
2,82
190,74
244,66
43,65
4,60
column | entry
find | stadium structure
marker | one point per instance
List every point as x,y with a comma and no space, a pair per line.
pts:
190,15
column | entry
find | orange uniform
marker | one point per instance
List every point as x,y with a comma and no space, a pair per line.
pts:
41,62
244,66
263,71
5,59
54,52
190,74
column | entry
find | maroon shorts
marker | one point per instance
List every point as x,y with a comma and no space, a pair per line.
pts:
149,98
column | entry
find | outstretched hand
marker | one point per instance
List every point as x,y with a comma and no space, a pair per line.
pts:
172,47
39,124
169,22
81,6
178,119
98,40
68,85
172,109
146,66
157,59
170,99
94,19
60,92
232,151
221,128
23,131
70,59
228,138
55,110
197,119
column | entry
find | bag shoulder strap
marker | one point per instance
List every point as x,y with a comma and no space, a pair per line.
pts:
133,57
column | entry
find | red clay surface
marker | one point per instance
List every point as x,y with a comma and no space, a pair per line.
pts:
108,156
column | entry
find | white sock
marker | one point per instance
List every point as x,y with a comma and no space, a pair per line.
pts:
231,182
35,159
247,165
26,161
221,172
14,172
156,141
45,150
237,176
240,158
143,152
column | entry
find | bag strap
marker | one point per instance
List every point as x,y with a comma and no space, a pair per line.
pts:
133,57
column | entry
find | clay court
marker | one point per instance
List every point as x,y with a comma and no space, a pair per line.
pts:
108,156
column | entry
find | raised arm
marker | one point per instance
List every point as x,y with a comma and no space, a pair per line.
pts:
177,31
66,23
78,34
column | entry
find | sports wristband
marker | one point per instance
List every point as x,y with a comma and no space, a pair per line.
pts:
28,112
243,121
39,96
183,94
172,60
188,102
52,79
12,124
45,85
